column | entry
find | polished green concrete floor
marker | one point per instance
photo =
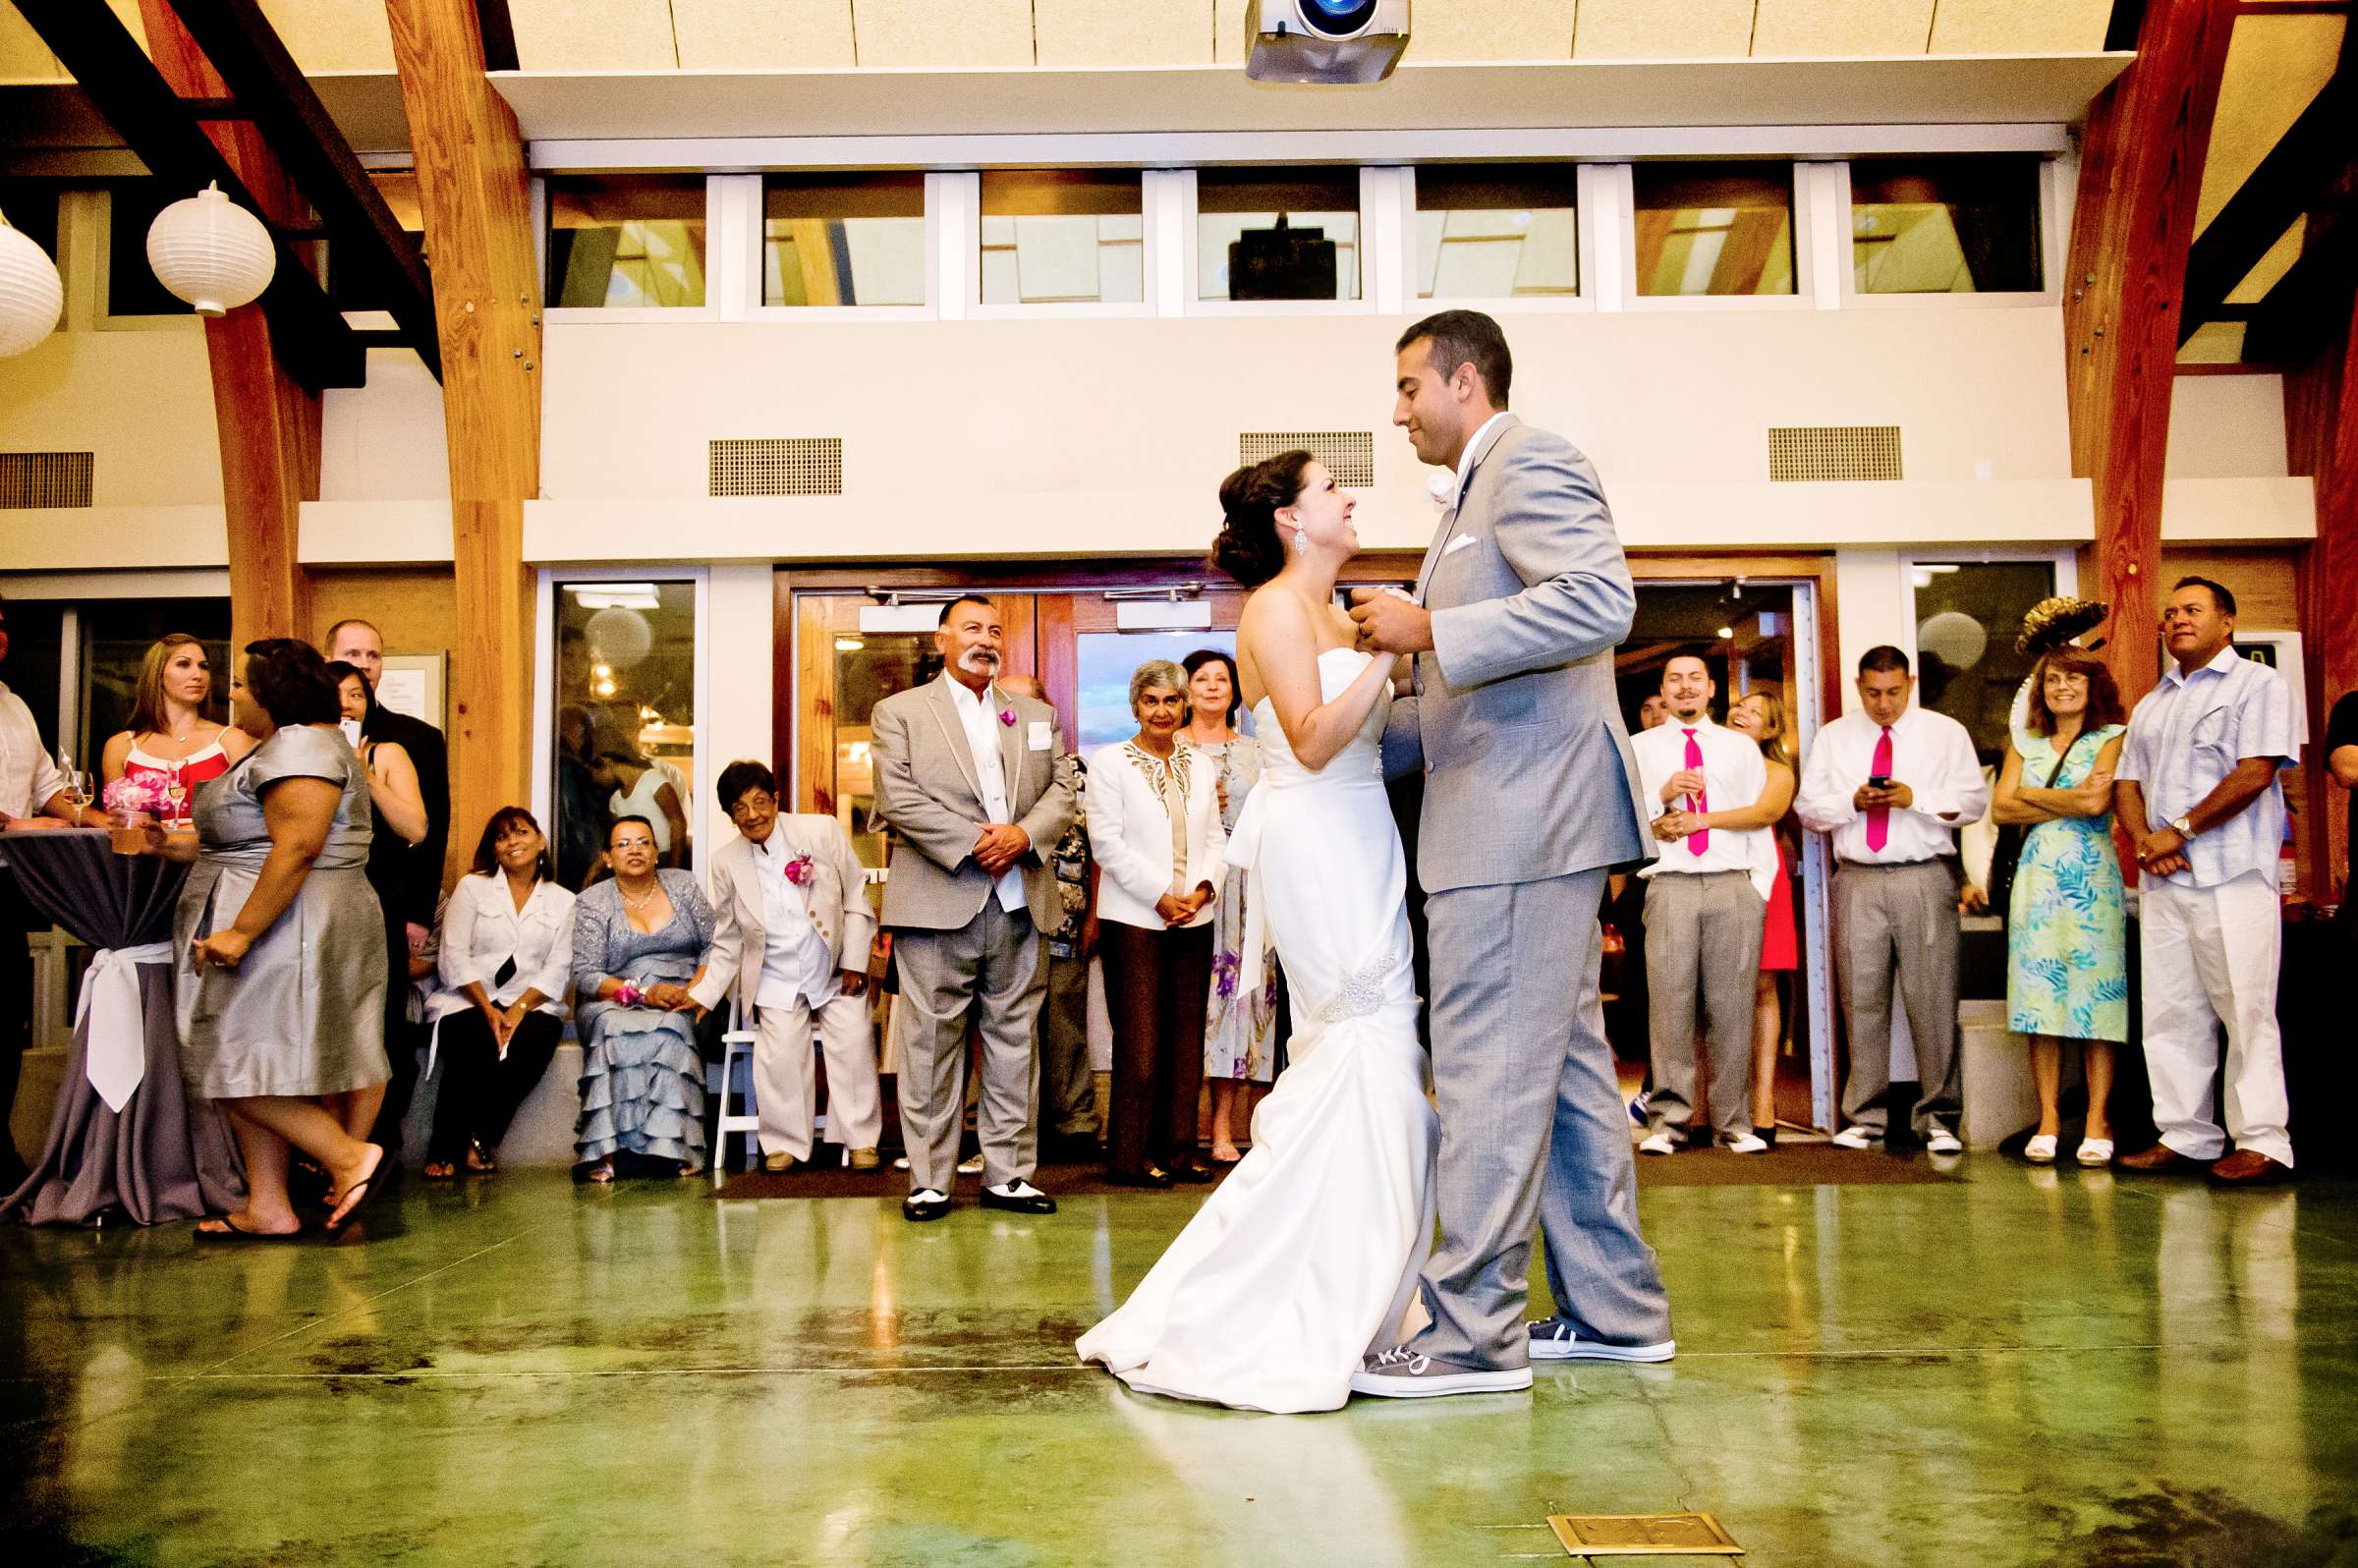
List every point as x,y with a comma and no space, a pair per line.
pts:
2023,1367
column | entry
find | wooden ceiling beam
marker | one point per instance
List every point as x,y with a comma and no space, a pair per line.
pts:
2296,172
2141,174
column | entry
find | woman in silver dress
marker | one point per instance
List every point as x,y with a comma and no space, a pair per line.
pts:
639,942
1241,1012
281,944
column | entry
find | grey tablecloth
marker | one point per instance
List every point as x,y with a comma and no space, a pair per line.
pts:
163,1156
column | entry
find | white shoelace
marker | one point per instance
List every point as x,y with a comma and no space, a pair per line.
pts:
1401,1355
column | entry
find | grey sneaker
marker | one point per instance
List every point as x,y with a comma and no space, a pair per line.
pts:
1553,1339
1403,1374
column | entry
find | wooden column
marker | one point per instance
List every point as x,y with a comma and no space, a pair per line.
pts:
269,426
473,192
2141,171
2321,433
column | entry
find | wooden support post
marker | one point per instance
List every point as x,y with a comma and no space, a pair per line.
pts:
473,192
2141,171
269,426
2321,433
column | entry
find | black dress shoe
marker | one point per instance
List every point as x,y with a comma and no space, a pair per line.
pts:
919,1207
1025,1199
1194,1173
1151,1176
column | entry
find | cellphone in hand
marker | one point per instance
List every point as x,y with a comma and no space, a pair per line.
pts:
1879,781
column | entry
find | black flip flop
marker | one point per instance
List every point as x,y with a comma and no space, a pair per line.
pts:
232,1231
369,1186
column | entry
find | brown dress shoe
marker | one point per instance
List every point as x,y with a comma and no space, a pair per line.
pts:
865,1159
777,1164
2248,1167
2157,1159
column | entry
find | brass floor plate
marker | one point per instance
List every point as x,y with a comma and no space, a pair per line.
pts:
1643,1536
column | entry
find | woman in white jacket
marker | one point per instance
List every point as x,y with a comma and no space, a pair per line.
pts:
1155,828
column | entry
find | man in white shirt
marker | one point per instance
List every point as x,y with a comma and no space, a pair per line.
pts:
792,932
2198,789
1891,785
1706,899
32,794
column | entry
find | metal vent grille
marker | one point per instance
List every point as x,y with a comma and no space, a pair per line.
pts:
787,466
1803,454
45,479
1349,455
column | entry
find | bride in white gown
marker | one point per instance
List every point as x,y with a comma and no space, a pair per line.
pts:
1308,1254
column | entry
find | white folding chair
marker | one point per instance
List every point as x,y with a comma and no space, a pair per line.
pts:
736,1047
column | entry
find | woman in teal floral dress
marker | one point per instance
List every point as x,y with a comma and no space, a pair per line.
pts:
2067,925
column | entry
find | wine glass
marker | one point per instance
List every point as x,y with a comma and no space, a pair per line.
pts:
176,791
80,788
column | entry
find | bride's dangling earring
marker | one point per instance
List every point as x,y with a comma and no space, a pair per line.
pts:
1301,542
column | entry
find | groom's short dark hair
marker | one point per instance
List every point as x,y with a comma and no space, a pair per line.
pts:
1461,337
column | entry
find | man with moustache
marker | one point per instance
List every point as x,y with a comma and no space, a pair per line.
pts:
975,783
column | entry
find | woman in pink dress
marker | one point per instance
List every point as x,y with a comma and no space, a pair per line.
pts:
1762,715
171,744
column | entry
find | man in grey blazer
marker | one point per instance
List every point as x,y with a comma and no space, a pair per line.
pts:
976,785
1530,796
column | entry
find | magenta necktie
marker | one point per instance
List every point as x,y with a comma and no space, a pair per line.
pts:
1701,839
1879,817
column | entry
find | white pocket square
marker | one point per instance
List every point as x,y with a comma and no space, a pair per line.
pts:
1459,543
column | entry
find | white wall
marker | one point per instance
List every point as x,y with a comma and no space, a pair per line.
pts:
2228,426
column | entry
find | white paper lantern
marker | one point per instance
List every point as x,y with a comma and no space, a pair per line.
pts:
211,252
30,294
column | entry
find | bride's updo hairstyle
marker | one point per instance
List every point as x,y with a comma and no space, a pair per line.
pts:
1248,548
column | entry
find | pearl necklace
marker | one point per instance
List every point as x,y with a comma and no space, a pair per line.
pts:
640,903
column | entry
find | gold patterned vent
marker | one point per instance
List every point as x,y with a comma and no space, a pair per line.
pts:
1808,453
45,479
802,465
1349,455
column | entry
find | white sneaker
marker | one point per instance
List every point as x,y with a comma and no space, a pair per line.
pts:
1941,1140
1658,1143
971,1168
1858,1137
1749,1144
1553,1339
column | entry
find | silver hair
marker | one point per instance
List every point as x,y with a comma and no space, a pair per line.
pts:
1154,673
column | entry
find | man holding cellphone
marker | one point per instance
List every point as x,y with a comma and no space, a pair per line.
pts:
1891,784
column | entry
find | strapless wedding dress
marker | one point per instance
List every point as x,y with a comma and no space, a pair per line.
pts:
1308,1254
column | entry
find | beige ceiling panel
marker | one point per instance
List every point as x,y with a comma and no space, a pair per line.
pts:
593,34
1490,30
1663,30
749,34
1228,31
2019,26
128,10
1819,30
1095,33
2272,266
2213,342
974,34
333,34
24,57
2275,65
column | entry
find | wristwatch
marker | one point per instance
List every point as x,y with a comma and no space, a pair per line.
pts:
2184,827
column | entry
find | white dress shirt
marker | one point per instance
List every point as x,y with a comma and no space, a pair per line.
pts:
29,777
482,930
795,961
2186,737
982,726
1734,776
1465,459
1930,754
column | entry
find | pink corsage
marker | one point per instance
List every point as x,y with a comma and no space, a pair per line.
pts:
628,995
1007,718
798,869
131,792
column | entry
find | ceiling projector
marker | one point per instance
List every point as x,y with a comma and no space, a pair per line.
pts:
1330,41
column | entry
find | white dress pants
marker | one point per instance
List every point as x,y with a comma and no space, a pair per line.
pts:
786,1079
2210,957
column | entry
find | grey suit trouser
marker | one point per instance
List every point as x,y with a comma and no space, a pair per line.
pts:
1068,1089
1533,1128
993,967
1703,945
1901,918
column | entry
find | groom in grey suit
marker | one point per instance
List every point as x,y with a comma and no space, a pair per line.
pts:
1530,796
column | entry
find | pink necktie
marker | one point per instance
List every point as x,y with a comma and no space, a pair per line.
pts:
1701,839
1879,817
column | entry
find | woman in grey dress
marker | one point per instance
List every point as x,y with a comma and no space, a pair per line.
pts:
639,942
281,944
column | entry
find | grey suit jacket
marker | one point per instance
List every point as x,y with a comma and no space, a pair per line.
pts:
927,790
836,894
1515,720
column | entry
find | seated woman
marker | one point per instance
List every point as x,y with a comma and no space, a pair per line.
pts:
506,938
639,942
171,742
